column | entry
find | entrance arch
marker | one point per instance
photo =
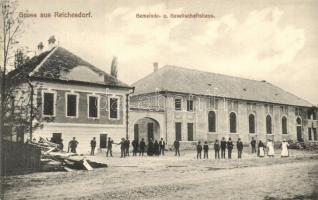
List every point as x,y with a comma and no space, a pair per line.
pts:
147,128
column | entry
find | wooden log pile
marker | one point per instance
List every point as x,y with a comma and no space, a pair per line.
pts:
53,158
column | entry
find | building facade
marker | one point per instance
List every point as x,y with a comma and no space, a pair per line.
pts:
75,99
176,103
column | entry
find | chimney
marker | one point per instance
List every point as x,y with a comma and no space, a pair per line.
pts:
51,42
40,47
155,66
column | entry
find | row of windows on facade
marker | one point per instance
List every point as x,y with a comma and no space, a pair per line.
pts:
233,105
251,123
72,101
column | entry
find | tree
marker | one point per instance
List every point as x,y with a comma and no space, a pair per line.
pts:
20,58
10,28
113,70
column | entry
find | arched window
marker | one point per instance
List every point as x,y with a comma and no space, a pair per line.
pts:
212,121
268,124
299,129
284,125
232,122
251,123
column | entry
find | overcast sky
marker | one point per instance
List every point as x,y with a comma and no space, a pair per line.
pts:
262,40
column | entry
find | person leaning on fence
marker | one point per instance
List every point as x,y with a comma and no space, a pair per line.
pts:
206,150
239,145
109,147
217,149
142,147
93,146
223,147
176,145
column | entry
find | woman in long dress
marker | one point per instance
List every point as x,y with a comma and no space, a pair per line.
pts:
270,147
261,152
284,152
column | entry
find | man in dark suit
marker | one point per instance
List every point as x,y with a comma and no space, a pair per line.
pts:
223,147
239,145
135,147
142,146
162,147
229,148
217,149
127,145
253,145
176,145
109,147
93,145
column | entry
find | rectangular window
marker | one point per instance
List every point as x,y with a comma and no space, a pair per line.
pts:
93,107
178,131
48,104
190,105
177,103
314,130
113,103
190,131
309,134
71,104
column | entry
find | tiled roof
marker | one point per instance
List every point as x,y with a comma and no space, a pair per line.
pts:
183,80
51,64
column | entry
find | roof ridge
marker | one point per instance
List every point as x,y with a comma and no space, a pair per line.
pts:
290,93
218,74
43,61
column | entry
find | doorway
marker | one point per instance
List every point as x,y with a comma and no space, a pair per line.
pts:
150,131
178,131
190,131
103,141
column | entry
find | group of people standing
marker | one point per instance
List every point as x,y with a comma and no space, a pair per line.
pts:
270,148
223,145
154,148
158,148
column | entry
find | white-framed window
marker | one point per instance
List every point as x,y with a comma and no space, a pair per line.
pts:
233,122
114,107
190,105
48,103
284,125
93,106
251,123
71,104
178,104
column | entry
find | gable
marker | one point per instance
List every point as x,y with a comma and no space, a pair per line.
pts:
82,73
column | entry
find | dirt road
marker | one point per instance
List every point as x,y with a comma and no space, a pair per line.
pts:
176,178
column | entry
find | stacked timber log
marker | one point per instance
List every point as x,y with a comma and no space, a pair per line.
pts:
53,158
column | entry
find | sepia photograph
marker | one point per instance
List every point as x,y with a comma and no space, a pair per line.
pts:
158,99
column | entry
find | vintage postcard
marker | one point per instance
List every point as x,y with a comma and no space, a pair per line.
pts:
158,99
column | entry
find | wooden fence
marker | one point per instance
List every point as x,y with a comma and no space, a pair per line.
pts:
20,158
